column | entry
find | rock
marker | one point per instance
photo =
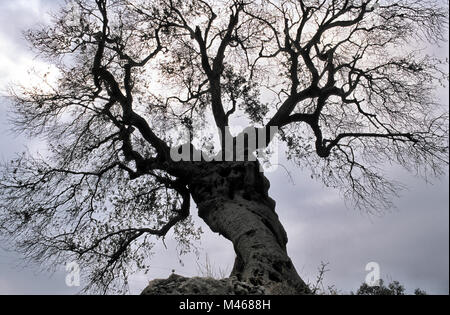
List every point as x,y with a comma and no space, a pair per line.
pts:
178,285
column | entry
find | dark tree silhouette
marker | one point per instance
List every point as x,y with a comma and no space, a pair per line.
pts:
394,288
345,81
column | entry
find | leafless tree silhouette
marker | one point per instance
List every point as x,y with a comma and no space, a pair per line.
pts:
345,81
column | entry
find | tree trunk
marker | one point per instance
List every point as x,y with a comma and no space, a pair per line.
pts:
233,200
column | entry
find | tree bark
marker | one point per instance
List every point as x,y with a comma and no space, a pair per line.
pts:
233,200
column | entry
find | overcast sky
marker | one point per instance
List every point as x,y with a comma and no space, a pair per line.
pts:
411,243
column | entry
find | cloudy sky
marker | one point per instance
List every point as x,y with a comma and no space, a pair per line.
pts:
410,243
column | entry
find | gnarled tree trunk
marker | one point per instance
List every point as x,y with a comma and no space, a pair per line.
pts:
233,200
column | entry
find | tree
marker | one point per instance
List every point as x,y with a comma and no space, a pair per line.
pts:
394,288
343,81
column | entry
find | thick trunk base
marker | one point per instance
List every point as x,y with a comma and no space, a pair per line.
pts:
233,200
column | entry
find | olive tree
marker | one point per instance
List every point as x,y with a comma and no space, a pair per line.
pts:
345,82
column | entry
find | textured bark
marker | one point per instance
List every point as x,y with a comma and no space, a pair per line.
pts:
233,200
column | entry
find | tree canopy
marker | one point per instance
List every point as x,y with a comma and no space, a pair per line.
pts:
394,288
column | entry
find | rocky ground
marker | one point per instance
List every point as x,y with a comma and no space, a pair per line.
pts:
178,285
